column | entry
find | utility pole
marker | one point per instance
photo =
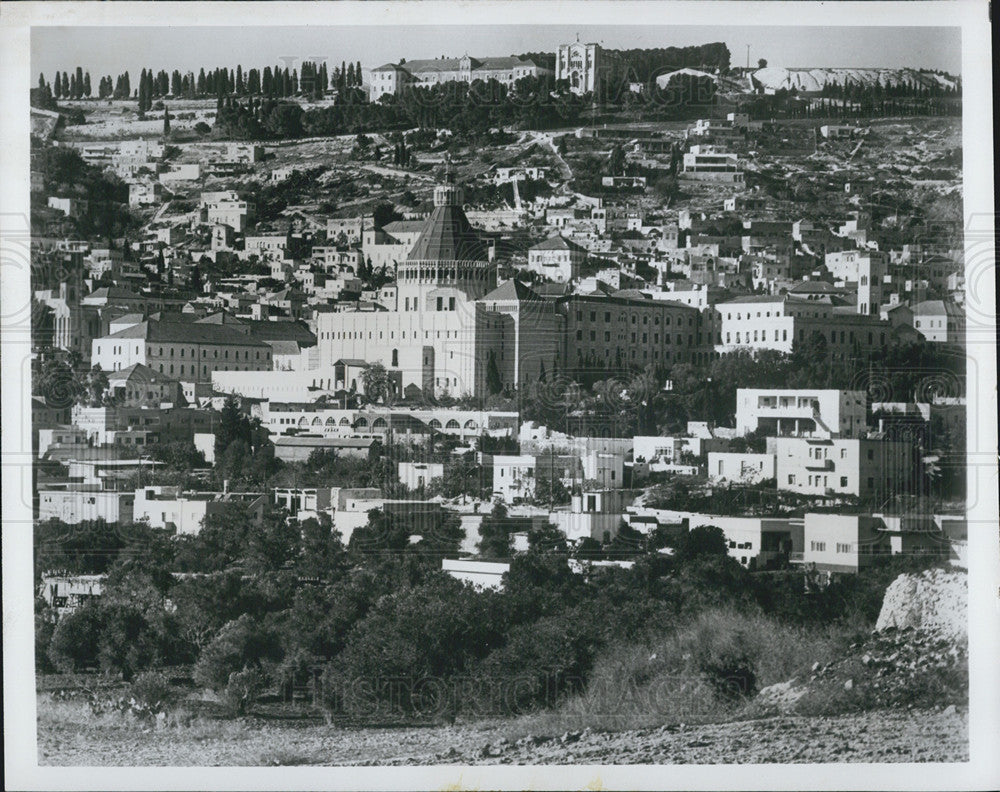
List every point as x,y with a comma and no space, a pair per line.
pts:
748,57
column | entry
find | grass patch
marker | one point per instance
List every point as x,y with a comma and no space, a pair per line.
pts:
706,671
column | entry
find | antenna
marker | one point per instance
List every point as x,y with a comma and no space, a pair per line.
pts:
748,57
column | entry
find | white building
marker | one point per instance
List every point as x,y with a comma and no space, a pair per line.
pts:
185,512
801,413
393,78
845,466
515,476
145,193
71,207
187,351
711,163
940,321
866,270
74,506
589,68
746,468
557,258
418,475
481,574
843,543
226,208
776,322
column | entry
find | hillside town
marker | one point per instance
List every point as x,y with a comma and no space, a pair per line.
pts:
473,342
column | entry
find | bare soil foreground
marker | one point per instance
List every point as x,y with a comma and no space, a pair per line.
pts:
939,735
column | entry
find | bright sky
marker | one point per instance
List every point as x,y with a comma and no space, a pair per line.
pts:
111,50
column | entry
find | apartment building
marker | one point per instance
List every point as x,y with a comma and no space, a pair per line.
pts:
781,412
745,468
76,505
712,163
871,469
842,543
185,512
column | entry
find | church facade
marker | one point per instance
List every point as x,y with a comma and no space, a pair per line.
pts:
450,328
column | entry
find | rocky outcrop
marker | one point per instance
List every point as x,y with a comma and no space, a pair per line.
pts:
935,602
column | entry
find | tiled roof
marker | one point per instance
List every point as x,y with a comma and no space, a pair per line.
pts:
447,235
139,373
559,242
764,298
937,308
184,333
454,64
512,290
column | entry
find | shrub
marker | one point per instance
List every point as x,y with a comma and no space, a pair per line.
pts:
243,688
150,693
74,641
540,662
241,644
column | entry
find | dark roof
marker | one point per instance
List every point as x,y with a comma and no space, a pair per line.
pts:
559,242
814,287
512,290
551,289
140,373
453,64
113,293
403,226
447,235
281,331
936,308
323,442
763,298
184,333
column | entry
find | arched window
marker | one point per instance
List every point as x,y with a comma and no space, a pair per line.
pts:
452,424
435,423
345,421
379,423
361,423
331,421
303,421
317,421
470,424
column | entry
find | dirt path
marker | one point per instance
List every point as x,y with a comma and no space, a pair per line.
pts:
915,736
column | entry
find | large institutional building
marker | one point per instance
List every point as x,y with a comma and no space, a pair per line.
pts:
393,78
589,68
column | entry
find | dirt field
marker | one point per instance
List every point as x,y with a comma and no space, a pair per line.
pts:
69,736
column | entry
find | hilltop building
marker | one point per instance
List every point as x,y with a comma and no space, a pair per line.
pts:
589,68
394,78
